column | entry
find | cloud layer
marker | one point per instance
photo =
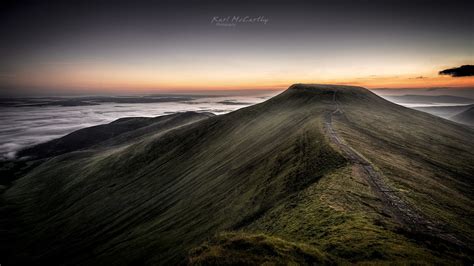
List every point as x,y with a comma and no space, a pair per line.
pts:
29,121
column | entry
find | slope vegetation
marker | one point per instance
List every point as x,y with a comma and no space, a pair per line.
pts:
268,175
129,128
117,133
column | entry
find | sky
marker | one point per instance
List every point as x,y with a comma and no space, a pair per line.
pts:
152,46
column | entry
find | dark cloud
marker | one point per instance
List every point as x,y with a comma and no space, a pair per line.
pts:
462,71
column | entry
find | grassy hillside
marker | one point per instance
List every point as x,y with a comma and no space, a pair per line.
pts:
429,160
116,132
247,249
267,175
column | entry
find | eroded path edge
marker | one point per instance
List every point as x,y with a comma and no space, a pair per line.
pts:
402,212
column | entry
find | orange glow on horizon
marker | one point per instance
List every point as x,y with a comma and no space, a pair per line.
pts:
119,78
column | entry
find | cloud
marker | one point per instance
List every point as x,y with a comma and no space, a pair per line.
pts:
419,77
23,124
462,71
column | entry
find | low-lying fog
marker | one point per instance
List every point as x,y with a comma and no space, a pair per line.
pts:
29,121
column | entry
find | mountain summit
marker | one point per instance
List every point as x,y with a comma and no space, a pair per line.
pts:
315,92
317,174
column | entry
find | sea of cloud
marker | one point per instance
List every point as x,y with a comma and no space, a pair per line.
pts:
23,124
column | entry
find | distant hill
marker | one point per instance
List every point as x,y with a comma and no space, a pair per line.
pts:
445,111
121,130
466,117
316,174
428,99
465,92
92,100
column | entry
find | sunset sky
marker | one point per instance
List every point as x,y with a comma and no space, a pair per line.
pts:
174,45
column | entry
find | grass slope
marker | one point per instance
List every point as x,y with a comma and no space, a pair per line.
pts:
246,249
117,133
129,128
267,174
429,160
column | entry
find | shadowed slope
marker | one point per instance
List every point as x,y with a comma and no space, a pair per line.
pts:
88,137
151,200
268,168
122,131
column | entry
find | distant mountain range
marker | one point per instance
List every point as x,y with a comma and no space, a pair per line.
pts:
429,99
92,100
116,133
317,174
465,117
445,111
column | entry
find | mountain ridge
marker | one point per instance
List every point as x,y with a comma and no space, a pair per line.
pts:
265,169
90,136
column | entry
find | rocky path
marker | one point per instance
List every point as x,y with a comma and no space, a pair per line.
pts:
401,211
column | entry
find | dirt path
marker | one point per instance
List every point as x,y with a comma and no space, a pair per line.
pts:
401,211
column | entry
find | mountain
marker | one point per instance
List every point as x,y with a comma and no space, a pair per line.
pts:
93,100
444,111
465,117
119,132
465,92
116,132
429,99
316,174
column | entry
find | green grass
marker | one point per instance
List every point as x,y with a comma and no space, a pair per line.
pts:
267,175
255,249
428,159
340,216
